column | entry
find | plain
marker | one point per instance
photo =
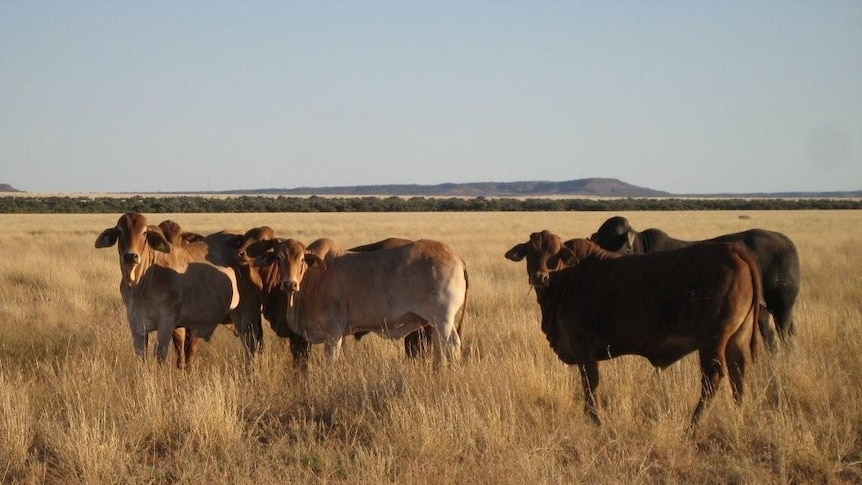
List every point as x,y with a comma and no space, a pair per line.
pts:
77,407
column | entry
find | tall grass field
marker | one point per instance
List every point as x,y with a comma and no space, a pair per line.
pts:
76,405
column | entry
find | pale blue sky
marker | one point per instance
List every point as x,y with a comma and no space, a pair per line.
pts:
681,96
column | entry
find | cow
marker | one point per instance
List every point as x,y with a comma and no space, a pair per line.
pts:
186,342
272,301
165,286
775,253
333,293
414,343
661,306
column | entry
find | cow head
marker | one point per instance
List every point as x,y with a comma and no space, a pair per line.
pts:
252,236
545,252
175,234
615,234
293,260
133,237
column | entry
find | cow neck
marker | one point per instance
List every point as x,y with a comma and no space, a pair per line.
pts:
177,259
310,295
270,277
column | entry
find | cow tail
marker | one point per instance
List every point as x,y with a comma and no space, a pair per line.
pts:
459,327
757,298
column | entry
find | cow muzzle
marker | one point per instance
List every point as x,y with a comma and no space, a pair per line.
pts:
130,262
291,288
539,279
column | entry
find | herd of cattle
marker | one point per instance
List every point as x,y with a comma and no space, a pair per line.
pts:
598,301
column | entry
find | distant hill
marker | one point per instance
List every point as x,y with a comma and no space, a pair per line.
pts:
8,188
598,187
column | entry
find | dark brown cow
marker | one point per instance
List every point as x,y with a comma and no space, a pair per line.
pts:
661,306
333,293
186,342
775,253
165,286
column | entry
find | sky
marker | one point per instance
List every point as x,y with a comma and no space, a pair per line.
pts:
683,96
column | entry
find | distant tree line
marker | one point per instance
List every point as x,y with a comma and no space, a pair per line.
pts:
247,204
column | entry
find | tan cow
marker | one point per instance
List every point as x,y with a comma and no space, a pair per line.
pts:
165,286
332,293
416,342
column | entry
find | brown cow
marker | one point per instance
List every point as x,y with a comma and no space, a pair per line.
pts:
661,306
775,254
165,286
273,301
332,293
186,342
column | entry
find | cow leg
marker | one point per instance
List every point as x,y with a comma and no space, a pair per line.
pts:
417,343
252,337
437,339
590,381
300,349
737,363
190,348
179,339
164,337
333,349
712,369
447,343
139,342
766,329
784,323
453,342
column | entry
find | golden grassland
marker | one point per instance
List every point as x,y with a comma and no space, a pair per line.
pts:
76,406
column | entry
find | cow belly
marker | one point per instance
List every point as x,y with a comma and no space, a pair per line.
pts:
397,328
669,350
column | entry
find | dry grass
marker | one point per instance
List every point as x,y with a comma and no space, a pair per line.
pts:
76,407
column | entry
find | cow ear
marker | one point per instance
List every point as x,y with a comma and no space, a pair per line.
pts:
192,237
265,259
108,237
517,253
568,256
157,240
261,247
314,262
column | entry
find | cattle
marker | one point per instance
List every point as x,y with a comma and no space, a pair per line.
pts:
165,286
414,343
775,253
186,342
333,293
272,301
661,306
